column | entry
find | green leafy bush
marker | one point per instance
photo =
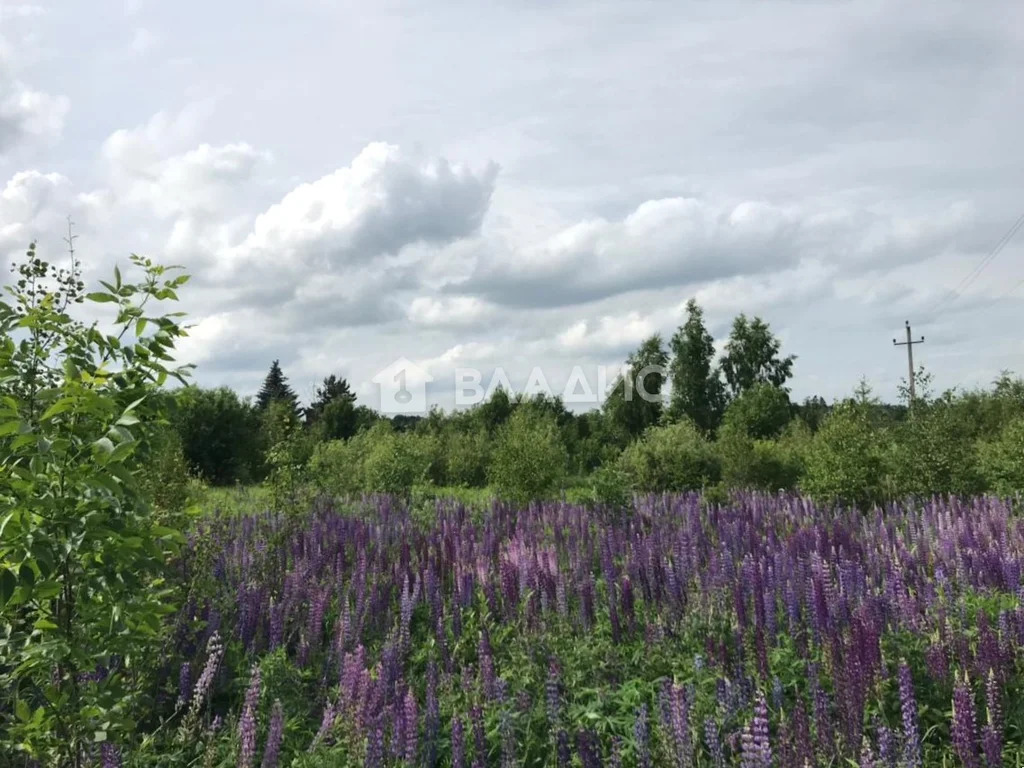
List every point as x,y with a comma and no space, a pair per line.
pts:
219,434
845,460
82,557
378,460
676,457
529,459
768,465
760,412
1001,461
932,452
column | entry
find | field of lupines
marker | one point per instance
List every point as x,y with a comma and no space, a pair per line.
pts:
768,632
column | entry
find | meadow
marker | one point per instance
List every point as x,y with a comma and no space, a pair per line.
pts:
763,631
439,592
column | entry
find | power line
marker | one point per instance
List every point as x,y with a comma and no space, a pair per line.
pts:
973,275
1015,286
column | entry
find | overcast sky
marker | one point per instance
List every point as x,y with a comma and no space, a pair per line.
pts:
530,183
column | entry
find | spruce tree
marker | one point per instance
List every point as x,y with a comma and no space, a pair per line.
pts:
276,389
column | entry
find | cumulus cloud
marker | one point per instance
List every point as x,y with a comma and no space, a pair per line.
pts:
689,241
382,202
610,332
448,311
26,113
153,165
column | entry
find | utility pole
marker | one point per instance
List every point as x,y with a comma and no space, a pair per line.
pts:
909,344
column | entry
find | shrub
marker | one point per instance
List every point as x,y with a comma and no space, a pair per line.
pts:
760,412
529,459
219,434
845,460
82,559
1001,461
768,465
393,461
336,467
676,457
167,480
466,457
932,451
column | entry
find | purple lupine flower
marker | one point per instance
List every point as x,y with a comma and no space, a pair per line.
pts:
476,716
552,695
247,723
615,759
508,739
908,710
713,740
110,755
964,727
458,744
411,719
586,745
487,675
886,744
641,735
214,653
184,684
326,722
375,746
756,744
272,749
867,755
432,715
802,735
992,733
562,750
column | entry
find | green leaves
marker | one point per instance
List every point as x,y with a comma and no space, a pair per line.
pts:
80,555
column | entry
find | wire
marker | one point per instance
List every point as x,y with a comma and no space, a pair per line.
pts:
1014,288
971,276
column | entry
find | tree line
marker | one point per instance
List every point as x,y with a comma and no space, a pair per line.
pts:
707,422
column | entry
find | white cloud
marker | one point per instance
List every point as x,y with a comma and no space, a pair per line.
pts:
382,202
610,332
27,113
32,204
448,311
143,41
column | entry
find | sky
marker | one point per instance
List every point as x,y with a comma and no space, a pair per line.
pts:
532,185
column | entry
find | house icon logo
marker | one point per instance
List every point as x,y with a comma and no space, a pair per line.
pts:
403,387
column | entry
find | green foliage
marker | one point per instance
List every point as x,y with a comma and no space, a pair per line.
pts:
845,460
289,451
333,412
393,461
167,481
767,465
760,412
529,459
219,435
932,453
1001,460
378,460
676,457
465,457
751,356
81,554
635,402
697,390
